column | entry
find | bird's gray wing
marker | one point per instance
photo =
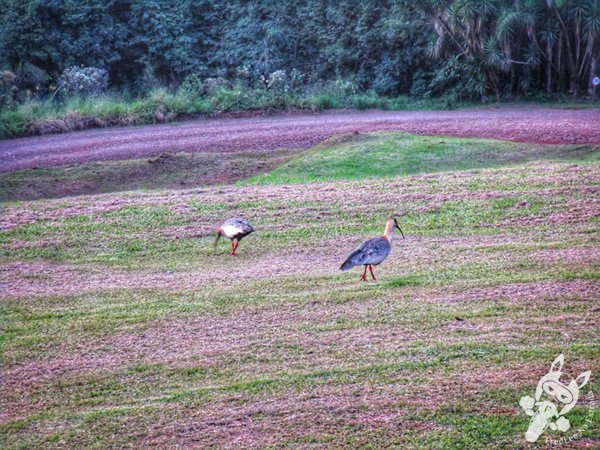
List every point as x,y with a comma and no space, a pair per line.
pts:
359,256
377,250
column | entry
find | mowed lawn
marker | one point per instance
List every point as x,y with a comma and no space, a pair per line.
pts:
123,326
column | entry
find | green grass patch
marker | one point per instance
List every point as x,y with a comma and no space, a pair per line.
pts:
379,155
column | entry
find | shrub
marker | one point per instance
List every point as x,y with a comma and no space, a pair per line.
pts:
386,80
230,98
296,81
84,80
324,101
146,82
276,80
154,109
192,87
12,123
399,103
420,85
243,75
212,85
342,88
366,101
334,94
277,87
7,88
459,80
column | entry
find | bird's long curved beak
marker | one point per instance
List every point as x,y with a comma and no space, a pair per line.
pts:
400,231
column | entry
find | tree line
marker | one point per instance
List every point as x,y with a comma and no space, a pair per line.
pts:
467,49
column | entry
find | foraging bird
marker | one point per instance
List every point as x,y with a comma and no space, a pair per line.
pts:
372,252
234,229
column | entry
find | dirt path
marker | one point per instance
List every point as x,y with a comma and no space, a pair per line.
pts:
298,131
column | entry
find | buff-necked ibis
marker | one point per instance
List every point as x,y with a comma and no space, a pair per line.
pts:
234,229
372,252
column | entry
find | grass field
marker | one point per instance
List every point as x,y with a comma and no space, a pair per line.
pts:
122,326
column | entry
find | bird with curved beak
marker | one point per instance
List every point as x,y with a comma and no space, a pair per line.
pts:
234,229
372,252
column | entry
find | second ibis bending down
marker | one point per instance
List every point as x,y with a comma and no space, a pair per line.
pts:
234,229
372,252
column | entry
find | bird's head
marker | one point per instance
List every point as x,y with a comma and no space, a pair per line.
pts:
390,226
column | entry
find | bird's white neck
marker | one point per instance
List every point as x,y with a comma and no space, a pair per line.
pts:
389,236
389,231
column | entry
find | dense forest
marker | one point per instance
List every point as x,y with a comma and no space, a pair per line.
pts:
466,49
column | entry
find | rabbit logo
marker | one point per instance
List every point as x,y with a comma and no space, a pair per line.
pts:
553,399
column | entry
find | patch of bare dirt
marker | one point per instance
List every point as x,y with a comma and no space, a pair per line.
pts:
292,416
577,256
23,280
533,124
575,212
527,292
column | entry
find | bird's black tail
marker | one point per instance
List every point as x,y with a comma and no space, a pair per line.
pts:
348,264
354,259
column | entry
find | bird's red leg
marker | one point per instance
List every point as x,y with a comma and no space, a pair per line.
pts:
233,246
371,270
364,275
